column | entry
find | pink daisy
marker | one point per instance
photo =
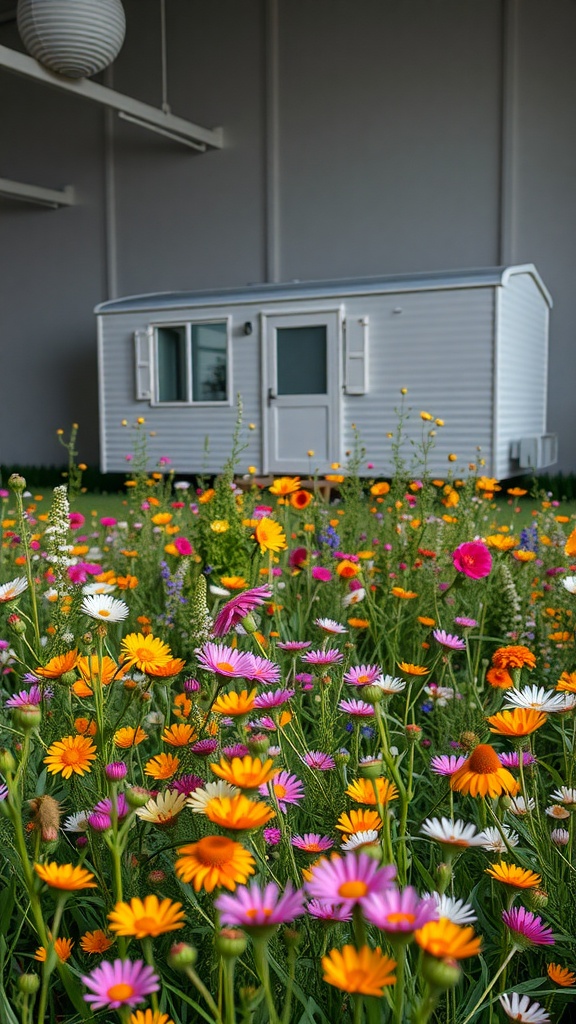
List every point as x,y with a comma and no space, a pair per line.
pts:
288,789
225,661
312,842
294,645
321,658
464,622
454,643
238,608
187,784
204,748
27,699
121,983
318,760
527,929
330,626
252,908
362,675
394,911
329,911
349,879
446,764
263,671
511,759
273,699
357,708
235,750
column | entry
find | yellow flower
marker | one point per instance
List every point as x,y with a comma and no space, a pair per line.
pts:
214,861
483,775
179,735
150,1017
163,766
406,595
519,722
129,737
246,772
235,703
412,670
144,652
444,939
238,812
511,874
219,525
496,540
362,791
234,582
65,876
146,918
269,535
90,667
162,518
285,485
364,971
358,821
70,755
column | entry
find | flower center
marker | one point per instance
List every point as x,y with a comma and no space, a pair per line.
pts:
253,912
143,654
103,613
363,679
214,850
71,756
224,666
353,890
484,760
145,924
398,917
279,790
120,992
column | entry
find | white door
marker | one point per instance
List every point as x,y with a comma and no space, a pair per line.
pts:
301,391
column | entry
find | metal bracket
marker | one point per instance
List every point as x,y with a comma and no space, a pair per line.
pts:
51,197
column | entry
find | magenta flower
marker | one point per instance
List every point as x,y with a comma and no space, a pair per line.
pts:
239,607
297,558
350,879
288,789
473,559
273,699
318,760
322,658
511,759
527,929
115,771
312,842
184,547
264,671
76,520
446,764
272,836
26,699
362,675
204,748
121,983
329,911
330,626
108,521
357,708
394,911
235,750
464,622
105,806
79,573
294,645
225,661
454,643
253,908
187,784
322,574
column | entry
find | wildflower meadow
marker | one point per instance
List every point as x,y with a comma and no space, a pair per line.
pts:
273,755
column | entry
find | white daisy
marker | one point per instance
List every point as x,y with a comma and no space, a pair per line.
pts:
560,836
451,833
494,842
330,626
358,840
10,591
200,797
518,806
565,795
536,698
77,822
455,910
218,591
519,1008
98,588
390,684
569,584
163,809
557,811
354,597
102,606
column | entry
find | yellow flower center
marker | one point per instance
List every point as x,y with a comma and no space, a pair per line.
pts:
398,917
121,992
103,613
253,911
224,666
71,756
351,890
279,790
145,924
144,654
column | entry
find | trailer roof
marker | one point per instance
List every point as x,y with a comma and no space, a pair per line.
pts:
257,293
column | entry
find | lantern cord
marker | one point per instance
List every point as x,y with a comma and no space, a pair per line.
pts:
165,105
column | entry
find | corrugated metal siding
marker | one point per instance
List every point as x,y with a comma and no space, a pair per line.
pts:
179,433
440,347
522,367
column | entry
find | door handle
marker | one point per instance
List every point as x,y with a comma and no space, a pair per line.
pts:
272,396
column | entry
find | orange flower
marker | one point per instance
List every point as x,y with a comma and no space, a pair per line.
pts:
499,678
62,947
362,791
426,620
179,735
88,669
146,653
182,705
214,861
300,499
246,772
234,582
346,569
513,657
235,703
163,766
127,582
166,669
519,722
444,939
65,877
85,726
511,874
483,775
95,942
70,756
570,545
406,595
270,535
161,518
359,623
561,975
285,485
365,971
567,682
238,812
57,666
380,489
129,737
412,670
359,821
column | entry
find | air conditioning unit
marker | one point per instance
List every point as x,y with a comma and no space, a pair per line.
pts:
535,452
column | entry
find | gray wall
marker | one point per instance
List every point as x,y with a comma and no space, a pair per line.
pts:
382,150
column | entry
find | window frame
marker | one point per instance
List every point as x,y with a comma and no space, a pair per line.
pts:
188,323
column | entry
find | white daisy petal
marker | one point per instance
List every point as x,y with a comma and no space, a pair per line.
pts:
451,833
519,1008
105,608
200,797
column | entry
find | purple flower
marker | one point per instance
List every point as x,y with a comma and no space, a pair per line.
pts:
288,789
273,699
511,759
204,748
294,645
358,708
263,671
235,750
526,928
272,836
312,842
350,879
454,643
322,574
187,784
116,771
446,764
121,983
329,911
362,675
322,658
318,760
253,908
26,698
235,610
464,622
225,661
393,911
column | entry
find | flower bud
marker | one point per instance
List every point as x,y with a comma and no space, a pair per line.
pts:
468,740
116,771
443,876
16,624
137,796
68,678
505,802
413,733
7,761
442,974
29,984
182,956
258,743
27,716
536,899
16,482
231,942
373,694
371,768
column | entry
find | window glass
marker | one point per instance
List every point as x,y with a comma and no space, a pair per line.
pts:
171,343
301,360
209,362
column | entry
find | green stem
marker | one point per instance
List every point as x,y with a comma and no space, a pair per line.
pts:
229,964
489,987
400,951
261,960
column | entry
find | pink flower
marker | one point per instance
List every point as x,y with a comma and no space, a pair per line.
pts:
79,573
121,983
224,661
76,520
273,699
312,842
108,521
297,557
264,671
473,559
526,928
183,546
362,675
349,880
393,911
253,908
329,911
329,657
322,574
294,645
454,643
239,607
357,708
446,764
319,761
288,789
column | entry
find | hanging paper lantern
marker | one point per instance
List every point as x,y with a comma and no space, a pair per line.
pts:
76,38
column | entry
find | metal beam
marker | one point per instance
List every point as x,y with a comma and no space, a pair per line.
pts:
141,113
37,194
